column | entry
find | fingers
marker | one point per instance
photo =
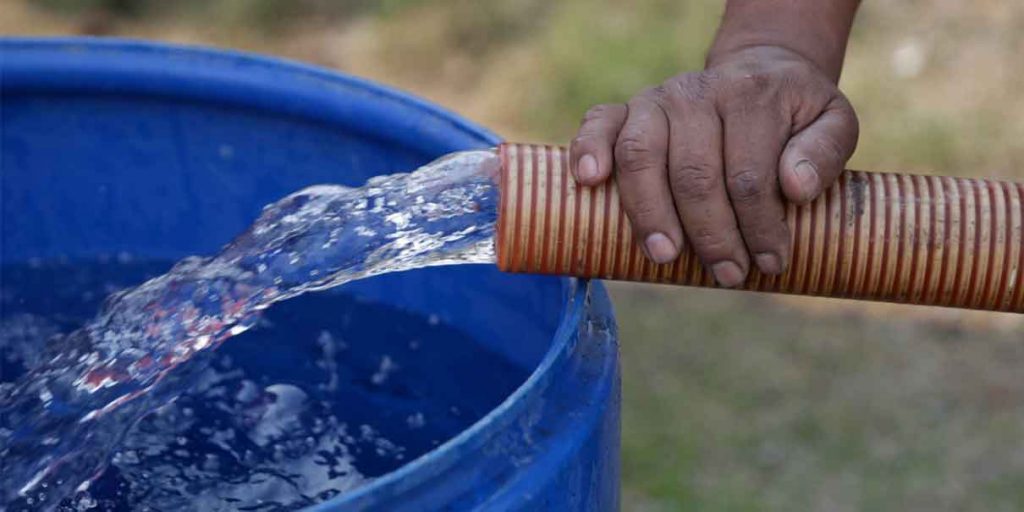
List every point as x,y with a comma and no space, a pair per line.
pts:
817,154
754,138
590,153
640,157
714,153
697,182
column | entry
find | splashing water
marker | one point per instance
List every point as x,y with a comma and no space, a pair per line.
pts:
61,420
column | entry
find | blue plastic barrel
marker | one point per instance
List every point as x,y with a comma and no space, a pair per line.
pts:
159,151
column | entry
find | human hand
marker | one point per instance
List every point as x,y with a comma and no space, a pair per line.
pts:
713,154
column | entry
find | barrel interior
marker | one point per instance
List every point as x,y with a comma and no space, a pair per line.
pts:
145,179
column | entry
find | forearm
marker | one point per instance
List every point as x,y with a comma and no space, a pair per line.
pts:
815,29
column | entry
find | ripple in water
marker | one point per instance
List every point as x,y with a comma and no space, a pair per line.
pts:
66,408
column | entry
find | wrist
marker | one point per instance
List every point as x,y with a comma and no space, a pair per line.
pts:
829,64
814,30
774,52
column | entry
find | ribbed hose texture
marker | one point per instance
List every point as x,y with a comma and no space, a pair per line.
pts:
924,240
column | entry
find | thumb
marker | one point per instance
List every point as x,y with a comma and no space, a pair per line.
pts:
816,155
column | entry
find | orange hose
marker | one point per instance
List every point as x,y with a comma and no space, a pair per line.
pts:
924,240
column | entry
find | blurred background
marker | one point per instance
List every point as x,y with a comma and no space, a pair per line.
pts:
731,401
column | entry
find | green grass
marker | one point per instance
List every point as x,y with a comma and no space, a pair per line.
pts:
609,51
741,402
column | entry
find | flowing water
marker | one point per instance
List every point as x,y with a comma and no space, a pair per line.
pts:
70,408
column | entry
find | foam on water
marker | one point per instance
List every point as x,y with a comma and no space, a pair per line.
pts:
63,417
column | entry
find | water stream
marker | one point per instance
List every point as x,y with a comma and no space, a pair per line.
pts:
68,410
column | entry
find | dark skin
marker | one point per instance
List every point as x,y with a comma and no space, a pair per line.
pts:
716,153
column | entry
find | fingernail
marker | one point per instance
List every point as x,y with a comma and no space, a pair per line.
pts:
586,169
807,178
660,248
769,263
728,274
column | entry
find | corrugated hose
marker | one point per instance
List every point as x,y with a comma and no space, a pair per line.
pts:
926,240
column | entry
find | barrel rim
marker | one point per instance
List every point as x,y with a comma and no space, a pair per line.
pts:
83,65
126,66
448,454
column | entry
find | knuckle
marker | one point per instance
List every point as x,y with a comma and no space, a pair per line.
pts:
756,90
641,212
807,96
708,238
653,93
843,106
830,150
691,88
703,237
600,113
800,79
747,186
582,140
633,153
762,235
658,96
694,182
712,244
706,80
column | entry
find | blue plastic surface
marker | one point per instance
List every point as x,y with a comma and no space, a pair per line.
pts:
162,151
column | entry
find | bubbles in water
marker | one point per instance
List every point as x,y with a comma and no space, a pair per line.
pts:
387,367
416,420
265,450
327,362
84,502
